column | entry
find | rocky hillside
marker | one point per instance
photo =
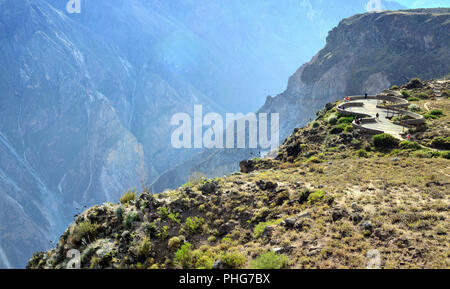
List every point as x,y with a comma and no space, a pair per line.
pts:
86,99
332,198
364,54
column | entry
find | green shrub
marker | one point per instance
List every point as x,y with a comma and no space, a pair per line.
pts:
144,250
185,257
270,260
346,120
362,154
174,243
441,143
128,197
405,93
192,225
316,197
426,154
414,108
259,229
233,260
204,262
395,87
129,219
342,127
422,95
332,120
385,141
409,145
445,155
314,160
119,213
434,114
162,234
163,212
315,124
412,98
84,230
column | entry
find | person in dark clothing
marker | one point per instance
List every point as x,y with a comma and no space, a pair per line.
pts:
366,96
378,115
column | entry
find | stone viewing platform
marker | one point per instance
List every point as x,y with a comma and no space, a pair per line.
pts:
386,107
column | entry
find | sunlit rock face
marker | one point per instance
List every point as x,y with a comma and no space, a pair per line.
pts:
364,54
86,99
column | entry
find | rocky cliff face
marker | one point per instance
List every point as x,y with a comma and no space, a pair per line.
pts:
365,54
86,100
300,210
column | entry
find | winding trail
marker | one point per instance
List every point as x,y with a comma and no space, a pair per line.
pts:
383,106
382,123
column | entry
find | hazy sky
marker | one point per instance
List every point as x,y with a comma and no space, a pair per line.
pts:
424,3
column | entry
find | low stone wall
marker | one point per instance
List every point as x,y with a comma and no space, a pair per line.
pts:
367,130
417,119
342,109
399,102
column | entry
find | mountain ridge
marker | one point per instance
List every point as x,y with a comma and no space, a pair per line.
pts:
369,53
331,196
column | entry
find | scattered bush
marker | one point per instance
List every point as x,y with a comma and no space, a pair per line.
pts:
362,154
412,98
316,197
128,197
409,145
270,260
259,229
84,230
174,243
426,154
384,141
129,219
314,160
445,155
119,213
414,108
192,225
441,143
233,260
395,87
414,83
162,234
315,124
204,262
422,95
144,250
405,93
195,179
332,120
434,114
346,120
303,196
184,257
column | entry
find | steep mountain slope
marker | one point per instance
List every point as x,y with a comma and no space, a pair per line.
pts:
334,197
86,100
59,133
364,54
